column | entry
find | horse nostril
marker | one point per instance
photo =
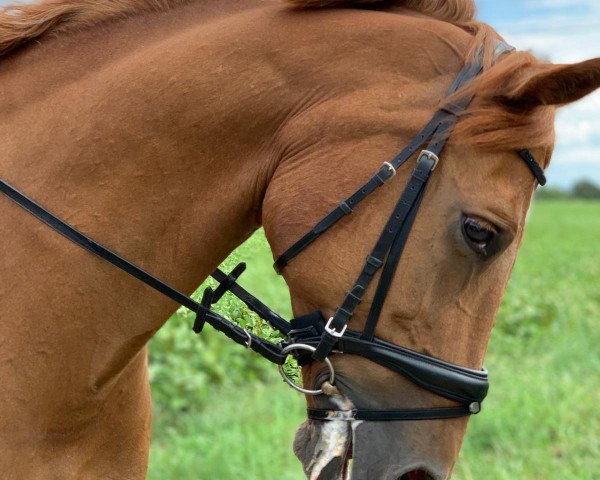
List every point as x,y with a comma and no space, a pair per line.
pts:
416,475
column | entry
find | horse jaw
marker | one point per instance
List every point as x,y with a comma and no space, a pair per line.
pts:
322,446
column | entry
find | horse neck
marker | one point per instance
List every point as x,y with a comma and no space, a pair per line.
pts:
148,154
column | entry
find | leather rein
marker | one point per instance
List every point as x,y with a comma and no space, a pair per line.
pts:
310,337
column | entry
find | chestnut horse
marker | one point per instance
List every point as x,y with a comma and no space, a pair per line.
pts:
170,130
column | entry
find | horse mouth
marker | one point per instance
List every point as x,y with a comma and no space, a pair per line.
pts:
416,475
324,448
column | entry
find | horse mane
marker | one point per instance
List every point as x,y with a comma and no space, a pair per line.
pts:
21,24
490,121
486,123
460,13
453,11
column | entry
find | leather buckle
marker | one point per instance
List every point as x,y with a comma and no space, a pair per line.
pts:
332,331
390,167
431,156
385,172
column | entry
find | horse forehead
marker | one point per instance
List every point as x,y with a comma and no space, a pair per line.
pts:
488,179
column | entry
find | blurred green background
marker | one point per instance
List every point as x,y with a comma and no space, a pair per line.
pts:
222,412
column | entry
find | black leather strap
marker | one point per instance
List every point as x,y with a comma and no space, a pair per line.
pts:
347,206
409,414
455,382
466,386
376,258
253,303
442,117
264,348
533,166
448,380
387,275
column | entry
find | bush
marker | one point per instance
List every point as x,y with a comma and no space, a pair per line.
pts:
583,189
551,193
586,189
185,367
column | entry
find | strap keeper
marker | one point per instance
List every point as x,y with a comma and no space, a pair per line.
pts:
452,109
356,294
373,264
341,314
420,175
324,347
345,207
203,308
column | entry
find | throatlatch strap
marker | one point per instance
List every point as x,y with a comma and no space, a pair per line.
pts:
239,335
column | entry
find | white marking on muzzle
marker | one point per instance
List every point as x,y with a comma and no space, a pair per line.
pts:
334,436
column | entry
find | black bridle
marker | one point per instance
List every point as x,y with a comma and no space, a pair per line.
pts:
467,387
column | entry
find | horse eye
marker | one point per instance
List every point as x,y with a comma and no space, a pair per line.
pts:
479,234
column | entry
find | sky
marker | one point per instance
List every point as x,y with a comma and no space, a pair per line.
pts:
563,31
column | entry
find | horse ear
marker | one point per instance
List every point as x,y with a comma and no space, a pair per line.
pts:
556,85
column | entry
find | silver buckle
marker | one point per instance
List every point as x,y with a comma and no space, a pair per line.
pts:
431,156
475,408
332,331
390,168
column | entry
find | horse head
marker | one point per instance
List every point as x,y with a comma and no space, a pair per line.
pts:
456,261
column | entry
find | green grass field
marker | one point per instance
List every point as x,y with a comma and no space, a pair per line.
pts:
540,421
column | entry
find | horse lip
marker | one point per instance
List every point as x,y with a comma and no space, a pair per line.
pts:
322,448
418,468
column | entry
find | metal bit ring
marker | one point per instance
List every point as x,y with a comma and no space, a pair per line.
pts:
288,380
